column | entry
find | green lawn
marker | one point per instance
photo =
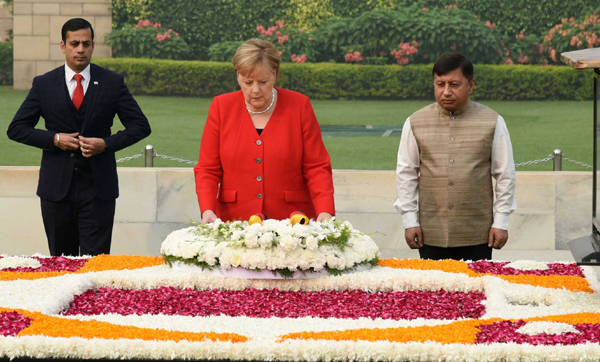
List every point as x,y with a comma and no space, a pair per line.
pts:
536,129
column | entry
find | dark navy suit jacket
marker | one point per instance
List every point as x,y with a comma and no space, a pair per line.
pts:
106,96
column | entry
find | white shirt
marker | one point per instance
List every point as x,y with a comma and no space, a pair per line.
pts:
72,83
502,169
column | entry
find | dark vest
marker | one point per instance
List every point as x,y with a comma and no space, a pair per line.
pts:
82,164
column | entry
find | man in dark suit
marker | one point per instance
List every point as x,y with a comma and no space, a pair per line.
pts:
78,176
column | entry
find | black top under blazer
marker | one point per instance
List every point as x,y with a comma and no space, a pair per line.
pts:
106,96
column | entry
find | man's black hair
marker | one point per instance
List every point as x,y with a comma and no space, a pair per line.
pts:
451,61
74,25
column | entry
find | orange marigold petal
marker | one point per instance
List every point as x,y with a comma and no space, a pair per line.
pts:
448,265
569,282
119,262
464,332
576,318
50,326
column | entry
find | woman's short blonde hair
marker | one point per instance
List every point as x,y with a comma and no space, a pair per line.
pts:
255,53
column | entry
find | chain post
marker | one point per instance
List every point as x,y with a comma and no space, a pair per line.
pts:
149,153
557,160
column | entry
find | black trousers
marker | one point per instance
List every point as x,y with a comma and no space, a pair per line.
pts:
474,252
79,224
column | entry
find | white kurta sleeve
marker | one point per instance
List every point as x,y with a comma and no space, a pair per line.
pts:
503,171
407,177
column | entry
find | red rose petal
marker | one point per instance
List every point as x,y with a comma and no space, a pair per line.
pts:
349,304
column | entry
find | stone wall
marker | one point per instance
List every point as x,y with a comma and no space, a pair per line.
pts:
37,25
6,23
553,208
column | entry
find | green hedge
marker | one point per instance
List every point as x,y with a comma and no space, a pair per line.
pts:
344,81
6,63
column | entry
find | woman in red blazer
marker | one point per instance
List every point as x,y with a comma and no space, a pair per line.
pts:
261,150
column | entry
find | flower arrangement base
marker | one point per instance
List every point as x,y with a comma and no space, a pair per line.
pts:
138,308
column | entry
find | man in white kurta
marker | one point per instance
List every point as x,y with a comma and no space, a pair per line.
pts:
449,151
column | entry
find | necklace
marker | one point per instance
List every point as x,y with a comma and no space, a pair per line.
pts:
266,109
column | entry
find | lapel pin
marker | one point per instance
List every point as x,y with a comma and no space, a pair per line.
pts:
95,83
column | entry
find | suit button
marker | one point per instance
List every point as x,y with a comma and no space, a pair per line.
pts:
258,160
72,155
451,161
259,178
450,184
450,207
259,196
259,142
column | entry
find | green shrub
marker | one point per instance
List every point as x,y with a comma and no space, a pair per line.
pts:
293,44
6,63
127,12
203,23
311,14
345,81
147,40
525,49
573,34
223,51
436,31
512,17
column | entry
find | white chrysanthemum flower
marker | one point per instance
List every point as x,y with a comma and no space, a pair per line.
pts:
527,265
216,224
300,230
312,243
237,235
266,240
19,262
288,242
251,241
270,225
535,328
284,229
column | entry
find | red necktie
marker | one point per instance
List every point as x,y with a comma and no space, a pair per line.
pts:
78,94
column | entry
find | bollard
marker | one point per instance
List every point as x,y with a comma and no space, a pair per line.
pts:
557,160
149,154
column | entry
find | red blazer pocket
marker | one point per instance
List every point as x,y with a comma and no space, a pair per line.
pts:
296,196
227,195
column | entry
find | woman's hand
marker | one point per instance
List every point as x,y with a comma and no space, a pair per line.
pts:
324,216
208,216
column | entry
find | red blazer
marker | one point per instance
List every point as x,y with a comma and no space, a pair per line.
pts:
285,169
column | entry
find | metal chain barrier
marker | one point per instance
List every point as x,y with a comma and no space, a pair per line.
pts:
150,153
131,157
174,159
546,159
577,162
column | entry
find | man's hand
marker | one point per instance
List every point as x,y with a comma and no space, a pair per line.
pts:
497,238
91,146
324,216
67,141
414,237
208,216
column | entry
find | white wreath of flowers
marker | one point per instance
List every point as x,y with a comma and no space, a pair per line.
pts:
276,245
